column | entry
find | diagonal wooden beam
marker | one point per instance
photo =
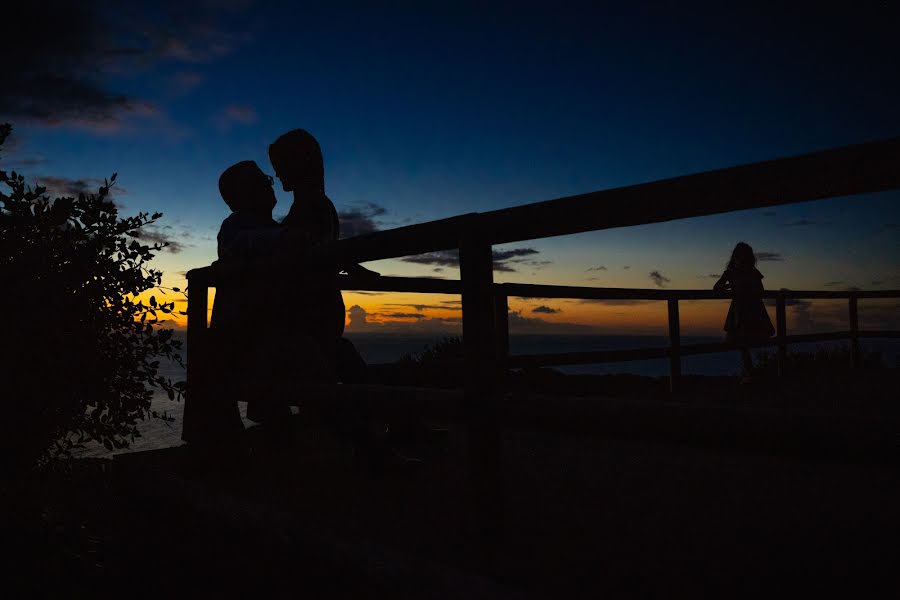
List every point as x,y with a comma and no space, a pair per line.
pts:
857,169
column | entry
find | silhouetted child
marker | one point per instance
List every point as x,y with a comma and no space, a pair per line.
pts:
747,321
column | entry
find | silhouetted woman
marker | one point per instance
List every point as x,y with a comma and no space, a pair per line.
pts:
313,220
747,321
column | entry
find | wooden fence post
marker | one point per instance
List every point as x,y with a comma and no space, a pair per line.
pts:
196,399
501,319
480,343
781,333
854,333
674,346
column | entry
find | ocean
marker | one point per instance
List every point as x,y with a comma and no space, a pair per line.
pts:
385,348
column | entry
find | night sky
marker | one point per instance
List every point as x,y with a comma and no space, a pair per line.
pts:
429,110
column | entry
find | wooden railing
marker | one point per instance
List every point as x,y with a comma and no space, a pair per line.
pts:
859,169
676,349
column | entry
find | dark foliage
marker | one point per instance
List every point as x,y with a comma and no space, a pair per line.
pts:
79,355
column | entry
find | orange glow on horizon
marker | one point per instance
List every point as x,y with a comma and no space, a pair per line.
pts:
439,314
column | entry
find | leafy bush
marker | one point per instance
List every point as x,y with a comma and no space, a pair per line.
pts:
79,354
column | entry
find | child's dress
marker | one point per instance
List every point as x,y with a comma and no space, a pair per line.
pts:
747,320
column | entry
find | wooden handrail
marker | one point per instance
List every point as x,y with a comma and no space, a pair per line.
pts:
857,169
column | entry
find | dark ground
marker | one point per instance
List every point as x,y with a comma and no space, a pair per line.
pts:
784,483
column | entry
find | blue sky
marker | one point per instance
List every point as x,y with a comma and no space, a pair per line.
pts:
426,112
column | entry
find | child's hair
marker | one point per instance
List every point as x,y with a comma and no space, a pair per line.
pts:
302,151
240,184
742,254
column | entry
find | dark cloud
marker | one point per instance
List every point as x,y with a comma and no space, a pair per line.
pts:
160,235
59,50
801,223
64,54
769,256
360,220
443,258
658,278
832,283
600,268
358,317
502,258
626,267
64,186
546,310
711,276
537,264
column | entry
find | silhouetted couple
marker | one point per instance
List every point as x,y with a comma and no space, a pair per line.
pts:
278,324
747,322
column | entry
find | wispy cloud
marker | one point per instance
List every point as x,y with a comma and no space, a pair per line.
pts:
185,82
403,315
658,278
235,114
424,307
546,310
360,220
801,223
502,259
65,186
769,256
156,234
599,268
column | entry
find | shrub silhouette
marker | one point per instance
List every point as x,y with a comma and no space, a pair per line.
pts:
78,352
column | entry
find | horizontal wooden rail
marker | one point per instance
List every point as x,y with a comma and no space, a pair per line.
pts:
611,356
527,290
